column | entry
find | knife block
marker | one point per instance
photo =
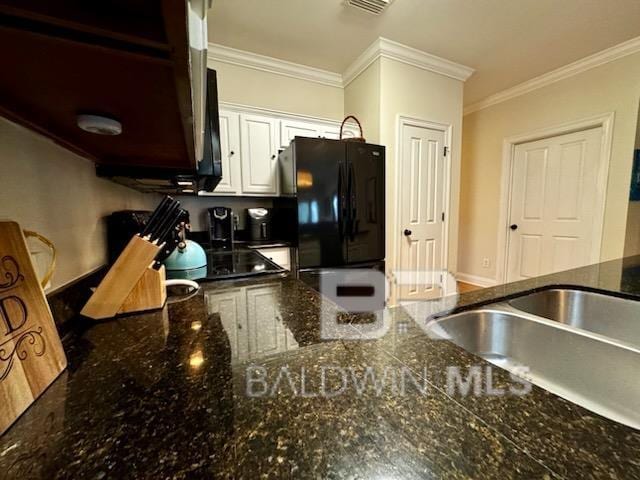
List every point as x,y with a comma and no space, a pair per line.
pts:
130,285
149,293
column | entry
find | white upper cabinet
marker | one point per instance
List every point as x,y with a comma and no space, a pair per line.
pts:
250,140
289,129
231,182
258,135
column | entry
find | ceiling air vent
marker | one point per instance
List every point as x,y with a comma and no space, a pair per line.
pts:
372,6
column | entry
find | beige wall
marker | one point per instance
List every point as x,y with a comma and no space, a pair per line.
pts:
413,92
614,87
362,99
50,190
248,86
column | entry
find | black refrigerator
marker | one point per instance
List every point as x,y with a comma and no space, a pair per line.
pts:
336,204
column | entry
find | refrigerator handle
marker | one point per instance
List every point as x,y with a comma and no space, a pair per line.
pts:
353,204
342,209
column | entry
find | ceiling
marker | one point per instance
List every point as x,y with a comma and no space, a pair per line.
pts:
506,41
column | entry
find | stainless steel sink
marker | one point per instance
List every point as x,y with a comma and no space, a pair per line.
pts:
594,372
614,317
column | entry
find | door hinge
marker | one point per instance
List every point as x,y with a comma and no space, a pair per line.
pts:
446,151
443,216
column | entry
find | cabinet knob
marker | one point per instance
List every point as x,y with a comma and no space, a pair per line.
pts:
407,232
514,227
232,153
273,157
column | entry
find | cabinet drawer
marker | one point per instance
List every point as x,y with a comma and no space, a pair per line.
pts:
280,256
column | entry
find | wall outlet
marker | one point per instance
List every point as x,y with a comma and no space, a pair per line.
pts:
486,263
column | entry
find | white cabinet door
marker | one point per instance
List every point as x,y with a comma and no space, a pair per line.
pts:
259,154
231,182
231,306
289,129
333,132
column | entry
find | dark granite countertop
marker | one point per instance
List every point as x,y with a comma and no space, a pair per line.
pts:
237,382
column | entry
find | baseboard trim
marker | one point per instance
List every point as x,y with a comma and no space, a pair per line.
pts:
476,280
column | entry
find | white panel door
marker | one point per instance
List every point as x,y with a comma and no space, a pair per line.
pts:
231,182
553,204
289,129
259,154
422,204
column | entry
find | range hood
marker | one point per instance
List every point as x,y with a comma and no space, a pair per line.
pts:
209,169
140,64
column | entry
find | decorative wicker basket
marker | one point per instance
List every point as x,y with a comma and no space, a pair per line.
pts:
352,139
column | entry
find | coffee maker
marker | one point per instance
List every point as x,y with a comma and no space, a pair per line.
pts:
221,228
260,223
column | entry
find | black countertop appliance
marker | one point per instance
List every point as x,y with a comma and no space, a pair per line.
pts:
336,191
260,223
220,228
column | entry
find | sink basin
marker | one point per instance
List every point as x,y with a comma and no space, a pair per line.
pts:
614,317
594,372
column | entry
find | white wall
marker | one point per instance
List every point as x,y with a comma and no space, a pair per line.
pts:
614,87
411,91
46,188
256,88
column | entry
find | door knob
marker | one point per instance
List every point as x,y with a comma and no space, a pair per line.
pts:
514,227
407,232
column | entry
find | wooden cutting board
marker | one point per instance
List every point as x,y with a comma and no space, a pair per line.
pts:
31,354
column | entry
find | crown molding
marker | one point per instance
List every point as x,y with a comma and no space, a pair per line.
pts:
233,56
597,59
381,47
385,48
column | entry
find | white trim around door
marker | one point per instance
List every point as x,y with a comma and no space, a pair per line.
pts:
605,121
447,129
